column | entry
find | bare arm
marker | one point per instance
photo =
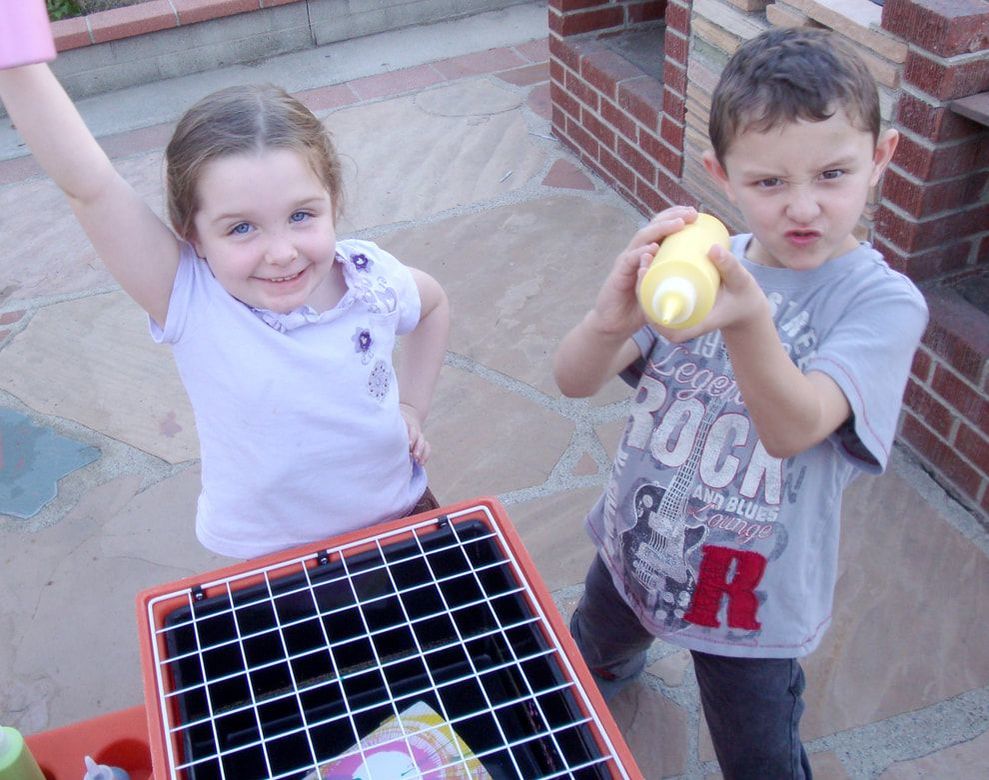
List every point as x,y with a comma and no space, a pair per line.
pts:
600,345
421,358
136,246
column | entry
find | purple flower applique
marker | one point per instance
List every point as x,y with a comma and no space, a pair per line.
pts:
362,343
361,261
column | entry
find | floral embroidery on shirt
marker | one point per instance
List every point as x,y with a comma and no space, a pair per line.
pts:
361,261
362,344
379,380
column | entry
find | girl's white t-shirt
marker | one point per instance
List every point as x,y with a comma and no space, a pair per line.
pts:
298,417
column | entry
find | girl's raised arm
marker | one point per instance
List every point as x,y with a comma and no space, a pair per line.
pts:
136,246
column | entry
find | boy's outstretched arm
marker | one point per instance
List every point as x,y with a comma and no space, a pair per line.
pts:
600,345
791,411
136,246
420,358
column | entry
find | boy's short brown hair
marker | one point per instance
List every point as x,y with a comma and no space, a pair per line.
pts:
788,74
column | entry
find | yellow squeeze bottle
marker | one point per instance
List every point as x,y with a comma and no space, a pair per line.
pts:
679,288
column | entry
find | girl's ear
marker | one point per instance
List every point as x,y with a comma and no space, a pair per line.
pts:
885,147
718,173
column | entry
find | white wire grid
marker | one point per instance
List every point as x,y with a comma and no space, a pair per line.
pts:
285,668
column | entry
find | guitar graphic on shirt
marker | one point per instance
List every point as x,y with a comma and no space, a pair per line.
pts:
662,555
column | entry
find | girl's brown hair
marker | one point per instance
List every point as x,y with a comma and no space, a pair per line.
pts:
242,120
789,74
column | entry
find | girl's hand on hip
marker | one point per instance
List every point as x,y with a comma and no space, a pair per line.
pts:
419,448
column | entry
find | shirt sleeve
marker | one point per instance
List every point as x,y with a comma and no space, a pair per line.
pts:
399,278
868,354
179,303
645,339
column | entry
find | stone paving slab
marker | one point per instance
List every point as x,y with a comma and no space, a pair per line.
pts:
900,686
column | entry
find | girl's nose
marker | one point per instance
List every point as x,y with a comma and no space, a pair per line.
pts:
281,250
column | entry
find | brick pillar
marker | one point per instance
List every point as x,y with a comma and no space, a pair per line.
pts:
933,219
625,124
933,223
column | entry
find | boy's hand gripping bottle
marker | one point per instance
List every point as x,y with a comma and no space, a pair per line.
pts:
25,33
679,288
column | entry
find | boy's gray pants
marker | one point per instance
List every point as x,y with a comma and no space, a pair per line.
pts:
752,705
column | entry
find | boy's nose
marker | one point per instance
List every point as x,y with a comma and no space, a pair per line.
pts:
803,206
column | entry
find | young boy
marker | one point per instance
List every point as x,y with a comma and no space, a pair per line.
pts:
718,530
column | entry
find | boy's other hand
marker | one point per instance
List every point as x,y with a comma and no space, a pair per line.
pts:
617,310
740,300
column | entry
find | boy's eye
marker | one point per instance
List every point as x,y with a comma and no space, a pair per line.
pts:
299,216
240,229
770,182
834,173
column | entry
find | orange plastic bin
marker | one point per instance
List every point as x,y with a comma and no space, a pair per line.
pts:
117,739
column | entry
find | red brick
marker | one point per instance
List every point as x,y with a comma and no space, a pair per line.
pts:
669,158
395,82
564,101
636,160
642,98
946,82
126,22
674,105
564,51
933,122
527,75
603,70
945,27
939,161
557,72
974,445
678,17
477,63
582,138
11,316
618,169
620,120
940,456
587,21
192,11
675,77
929,409
567,6
676,47
649,11
920,198
579,88
672,133
958,333
593,124
959,394
944,230
71,33
923,362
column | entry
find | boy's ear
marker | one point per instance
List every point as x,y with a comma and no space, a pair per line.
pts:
885,147
717,172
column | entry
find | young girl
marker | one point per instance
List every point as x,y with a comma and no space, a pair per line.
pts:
283,336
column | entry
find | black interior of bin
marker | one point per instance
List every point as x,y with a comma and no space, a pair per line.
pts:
428,628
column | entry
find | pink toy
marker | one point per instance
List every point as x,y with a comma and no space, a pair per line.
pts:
25,33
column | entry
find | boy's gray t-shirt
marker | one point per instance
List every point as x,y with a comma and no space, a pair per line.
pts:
716,545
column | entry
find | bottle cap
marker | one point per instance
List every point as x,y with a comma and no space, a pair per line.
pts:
674,300
96,771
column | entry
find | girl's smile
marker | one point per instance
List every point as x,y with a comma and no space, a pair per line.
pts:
266,229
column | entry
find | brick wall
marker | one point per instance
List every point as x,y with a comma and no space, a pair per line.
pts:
930,216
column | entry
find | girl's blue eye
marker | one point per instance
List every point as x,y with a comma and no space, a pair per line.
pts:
299,216
240,229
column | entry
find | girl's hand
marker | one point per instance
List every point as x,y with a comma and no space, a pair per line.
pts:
740,300
617,308
418,446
